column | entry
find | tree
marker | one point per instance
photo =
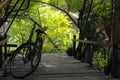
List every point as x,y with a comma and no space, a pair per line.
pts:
115,70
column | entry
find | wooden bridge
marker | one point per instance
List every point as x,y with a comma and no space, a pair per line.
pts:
63,67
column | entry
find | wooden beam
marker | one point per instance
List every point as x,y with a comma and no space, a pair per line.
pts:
101,43
3,41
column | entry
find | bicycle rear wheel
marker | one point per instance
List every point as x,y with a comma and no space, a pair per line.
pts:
25,60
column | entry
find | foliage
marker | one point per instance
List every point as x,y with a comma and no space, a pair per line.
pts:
59,28
99,60
74,5
103,8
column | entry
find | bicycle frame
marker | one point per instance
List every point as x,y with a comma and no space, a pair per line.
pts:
39,32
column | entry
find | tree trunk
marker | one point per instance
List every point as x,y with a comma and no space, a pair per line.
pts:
115,66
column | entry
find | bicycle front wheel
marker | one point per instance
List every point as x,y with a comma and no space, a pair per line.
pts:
25,60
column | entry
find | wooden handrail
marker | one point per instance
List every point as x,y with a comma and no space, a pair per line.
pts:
3,41
11,45
101,43
8,44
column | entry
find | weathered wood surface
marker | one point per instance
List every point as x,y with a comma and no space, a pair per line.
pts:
101,43
63,67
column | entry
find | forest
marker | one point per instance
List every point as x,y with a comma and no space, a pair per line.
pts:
88,27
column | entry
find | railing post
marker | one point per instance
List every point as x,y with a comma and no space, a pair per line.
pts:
1,38
74,46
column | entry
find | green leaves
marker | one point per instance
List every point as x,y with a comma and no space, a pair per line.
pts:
74,5
102,8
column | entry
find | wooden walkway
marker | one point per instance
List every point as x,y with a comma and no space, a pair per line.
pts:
63,67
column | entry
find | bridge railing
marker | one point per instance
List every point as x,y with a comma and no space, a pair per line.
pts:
96,53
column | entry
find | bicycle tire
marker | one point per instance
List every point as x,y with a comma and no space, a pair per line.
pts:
22,66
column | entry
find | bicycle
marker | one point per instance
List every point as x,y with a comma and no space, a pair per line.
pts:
27,56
